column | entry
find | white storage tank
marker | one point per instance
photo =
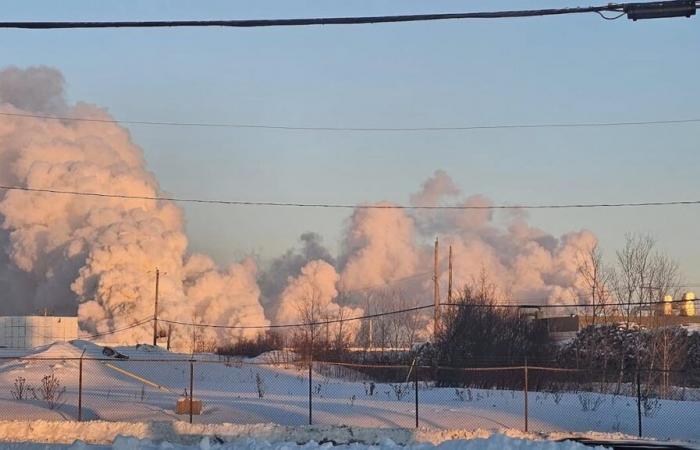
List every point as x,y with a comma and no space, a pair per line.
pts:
34,331
688,304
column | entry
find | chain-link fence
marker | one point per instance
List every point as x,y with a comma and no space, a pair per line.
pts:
280,389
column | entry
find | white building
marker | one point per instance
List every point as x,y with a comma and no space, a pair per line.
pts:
33,331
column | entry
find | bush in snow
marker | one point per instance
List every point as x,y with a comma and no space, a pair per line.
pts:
22,390
400,390
260,385
51,391
650,406
464,394
590,401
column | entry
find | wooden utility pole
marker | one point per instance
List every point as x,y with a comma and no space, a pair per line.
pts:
170,332
436,293
155,311
449,278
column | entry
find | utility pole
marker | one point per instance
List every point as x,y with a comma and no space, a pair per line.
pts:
155,312
170,332
436,293
449,278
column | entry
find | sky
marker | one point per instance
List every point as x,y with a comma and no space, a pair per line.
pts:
537,70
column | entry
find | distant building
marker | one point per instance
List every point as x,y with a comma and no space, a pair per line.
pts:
668,313
34,331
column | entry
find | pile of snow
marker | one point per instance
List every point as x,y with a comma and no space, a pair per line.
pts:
147,435
496,442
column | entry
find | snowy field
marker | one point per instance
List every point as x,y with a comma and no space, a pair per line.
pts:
132,391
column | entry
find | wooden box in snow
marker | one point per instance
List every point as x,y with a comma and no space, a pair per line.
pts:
183,406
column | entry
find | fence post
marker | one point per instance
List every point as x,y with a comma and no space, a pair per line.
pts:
80,388
191,387
639,404
310,388
525,393
415,386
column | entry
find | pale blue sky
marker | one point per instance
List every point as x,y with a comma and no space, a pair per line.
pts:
563,69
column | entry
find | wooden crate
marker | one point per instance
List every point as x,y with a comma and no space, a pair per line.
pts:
183,406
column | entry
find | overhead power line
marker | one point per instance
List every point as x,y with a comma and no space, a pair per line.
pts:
420,308
634,11
352,206
511,126
296,325
118,330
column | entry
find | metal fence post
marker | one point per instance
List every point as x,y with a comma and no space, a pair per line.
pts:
80,388
639,404
191,387
415,386
525,393
310,388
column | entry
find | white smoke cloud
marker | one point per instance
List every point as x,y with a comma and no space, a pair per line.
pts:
311,297
93,255
96,256
525,263
379,247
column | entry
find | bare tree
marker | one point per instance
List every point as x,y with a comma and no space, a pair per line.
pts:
642,276
597,278
310,313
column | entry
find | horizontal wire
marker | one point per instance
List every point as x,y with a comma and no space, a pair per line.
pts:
105,333
295,325
660,7
251,23
413,309
359,129
350,206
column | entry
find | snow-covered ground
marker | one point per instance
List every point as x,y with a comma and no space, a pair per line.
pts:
133,391
495,442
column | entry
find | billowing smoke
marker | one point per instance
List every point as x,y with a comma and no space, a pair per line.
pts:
522,262
96,256
311,297
275,279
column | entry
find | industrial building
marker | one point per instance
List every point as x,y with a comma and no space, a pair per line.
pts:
668,313
34,331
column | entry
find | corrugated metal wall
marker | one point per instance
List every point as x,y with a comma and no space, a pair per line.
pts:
33,331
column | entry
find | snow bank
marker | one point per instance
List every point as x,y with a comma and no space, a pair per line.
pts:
145,434
495,442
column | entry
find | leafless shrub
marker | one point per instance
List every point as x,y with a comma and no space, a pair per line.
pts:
400,390
464,394
590,401
51,391
260,385
650,406
22,390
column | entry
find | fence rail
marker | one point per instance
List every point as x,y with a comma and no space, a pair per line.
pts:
294,392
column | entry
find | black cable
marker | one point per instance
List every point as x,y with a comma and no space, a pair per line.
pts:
358,129
254,23
573,305
352,206
296,325
418,308
610,18
105,333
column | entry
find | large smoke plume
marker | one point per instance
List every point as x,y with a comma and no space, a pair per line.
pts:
96,256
